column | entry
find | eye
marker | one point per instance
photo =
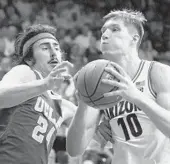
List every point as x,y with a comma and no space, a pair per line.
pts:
103,30
114,29
56,48
44,48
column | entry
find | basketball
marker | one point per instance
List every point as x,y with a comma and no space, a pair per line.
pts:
88,84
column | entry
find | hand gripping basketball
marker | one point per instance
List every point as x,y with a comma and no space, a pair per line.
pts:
126,88
88,84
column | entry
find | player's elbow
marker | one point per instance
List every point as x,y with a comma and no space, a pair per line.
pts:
73,153
73,145
72,149
4,103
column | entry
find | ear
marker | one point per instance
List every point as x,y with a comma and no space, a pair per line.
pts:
136,38
29,61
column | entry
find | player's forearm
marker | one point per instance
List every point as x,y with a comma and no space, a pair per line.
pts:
159,115
12,95
81,131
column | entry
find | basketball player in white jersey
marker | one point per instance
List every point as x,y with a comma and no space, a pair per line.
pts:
140,122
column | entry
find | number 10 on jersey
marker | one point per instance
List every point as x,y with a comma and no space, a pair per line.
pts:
130,124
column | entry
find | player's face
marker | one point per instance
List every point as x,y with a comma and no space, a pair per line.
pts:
47,55
115,36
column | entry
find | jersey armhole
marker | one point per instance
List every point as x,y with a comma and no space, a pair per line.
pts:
150,81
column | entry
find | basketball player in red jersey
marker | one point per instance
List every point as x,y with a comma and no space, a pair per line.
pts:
30,111
140,122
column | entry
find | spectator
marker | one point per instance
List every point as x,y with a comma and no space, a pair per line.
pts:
5,66
71,35
2,48
83,38
92,52
77,57
165,57
146,51
9,40
2,17
157,41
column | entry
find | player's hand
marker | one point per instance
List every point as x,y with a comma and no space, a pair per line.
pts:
75,78
104,133
126,87
58,75
81,103
77,94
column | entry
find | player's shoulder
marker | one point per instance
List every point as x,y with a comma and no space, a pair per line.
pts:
159,67
159,76
22,73
21,67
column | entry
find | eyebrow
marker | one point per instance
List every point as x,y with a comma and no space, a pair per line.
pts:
47,43
111,25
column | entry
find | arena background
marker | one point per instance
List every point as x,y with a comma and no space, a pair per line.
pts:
78,25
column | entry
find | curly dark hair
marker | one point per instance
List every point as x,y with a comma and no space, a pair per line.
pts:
23,37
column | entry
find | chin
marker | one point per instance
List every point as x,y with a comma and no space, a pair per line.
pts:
109,50
110,55
52,65
104,47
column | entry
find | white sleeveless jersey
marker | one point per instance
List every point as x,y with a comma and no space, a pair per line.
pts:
137,140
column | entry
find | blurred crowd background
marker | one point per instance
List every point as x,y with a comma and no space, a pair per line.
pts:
78,24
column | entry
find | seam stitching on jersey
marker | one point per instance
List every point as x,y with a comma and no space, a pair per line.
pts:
149,80
10,121
139,71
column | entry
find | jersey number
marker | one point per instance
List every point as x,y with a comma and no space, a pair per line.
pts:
41,129
134,126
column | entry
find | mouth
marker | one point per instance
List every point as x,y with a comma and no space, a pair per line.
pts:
53,62
104,42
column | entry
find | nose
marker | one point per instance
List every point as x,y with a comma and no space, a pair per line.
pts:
105,35
53,53
56,55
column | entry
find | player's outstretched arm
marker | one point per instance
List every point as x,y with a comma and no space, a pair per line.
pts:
20,84
82,129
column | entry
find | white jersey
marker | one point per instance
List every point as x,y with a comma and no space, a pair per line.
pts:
138,141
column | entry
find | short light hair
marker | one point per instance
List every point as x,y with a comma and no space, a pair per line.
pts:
133,17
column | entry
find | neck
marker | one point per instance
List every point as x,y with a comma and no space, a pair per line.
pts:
43,73
130,65
129,62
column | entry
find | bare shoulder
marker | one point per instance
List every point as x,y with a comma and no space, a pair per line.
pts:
68,106
19,74
160,77
68,109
